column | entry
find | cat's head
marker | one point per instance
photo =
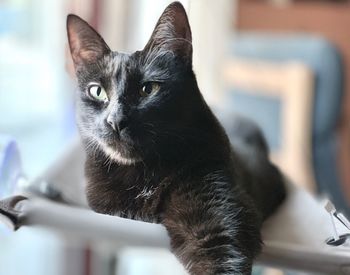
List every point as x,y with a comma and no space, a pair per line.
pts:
130,105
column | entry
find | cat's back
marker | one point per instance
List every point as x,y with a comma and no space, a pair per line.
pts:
258,175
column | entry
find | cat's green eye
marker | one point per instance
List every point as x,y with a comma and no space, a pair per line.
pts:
149,88
98,93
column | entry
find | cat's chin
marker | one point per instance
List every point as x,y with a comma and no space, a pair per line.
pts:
118,157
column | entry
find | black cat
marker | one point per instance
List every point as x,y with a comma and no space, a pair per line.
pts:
156,152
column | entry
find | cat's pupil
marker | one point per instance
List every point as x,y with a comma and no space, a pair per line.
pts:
148,87
98,92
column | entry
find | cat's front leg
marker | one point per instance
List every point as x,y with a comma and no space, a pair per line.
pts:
211,234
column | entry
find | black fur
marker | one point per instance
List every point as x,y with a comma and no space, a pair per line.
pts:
165,158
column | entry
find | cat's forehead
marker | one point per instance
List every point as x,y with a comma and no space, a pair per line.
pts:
117,60
112,62
120,57
149,65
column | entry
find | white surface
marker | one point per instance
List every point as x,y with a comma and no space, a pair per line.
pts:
301,220
295,237
86,224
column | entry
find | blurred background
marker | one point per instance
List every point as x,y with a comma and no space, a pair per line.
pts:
283,63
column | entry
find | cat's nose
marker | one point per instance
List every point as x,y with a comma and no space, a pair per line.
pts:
110,121
118,124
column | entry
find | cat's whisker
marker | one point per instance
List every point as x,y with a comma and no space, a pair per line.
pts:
91,144
110,164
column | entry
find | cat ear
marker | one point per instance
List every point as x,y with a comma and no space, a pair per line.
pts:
172,32
86,45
